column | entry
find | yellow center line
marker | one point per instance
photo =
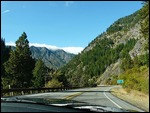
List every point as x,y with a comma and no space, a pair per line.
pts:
73,95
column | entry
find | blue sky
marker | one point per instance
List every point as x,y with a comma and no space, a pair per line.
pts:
69,25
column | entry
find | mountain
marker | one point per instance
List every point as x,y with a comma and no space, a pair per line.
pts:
114,52
52,58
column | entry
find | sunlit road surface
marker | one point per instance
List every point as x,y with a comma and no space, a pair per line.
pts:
96,95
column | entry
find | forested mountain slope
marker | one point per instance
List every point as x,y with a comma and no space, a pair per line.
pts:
122,47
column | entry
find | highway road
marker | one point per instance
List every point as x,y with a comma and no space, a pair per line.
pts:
102,96
95,95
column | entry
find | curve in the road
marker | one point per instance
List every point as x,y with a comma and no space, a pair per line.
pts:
111,100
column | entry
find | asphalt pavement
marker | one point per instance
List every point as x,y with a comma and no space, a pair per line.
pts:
97,95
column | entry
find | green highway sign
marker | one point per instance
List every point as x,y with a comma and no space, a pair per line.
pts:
120,81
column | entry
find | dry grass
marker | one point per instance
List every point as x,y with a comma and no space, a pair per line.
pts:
134,97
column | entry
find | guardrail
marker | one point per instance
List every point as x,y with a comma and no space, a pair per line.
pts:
23,91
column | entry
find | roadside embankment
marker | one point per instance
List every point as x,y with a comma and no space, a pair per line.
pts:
134,97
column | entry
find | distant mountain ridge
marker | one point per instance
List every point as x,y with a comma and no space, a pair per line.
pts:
52,58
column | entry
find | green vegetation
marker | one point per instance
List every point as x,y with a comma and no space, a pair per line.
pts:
39,74
136,71
52,59
19,65
96,61
85,68
20,70
54,83
4,57
137,79
145,19
142,60
124,54
124,24
145,22
57,79
136,74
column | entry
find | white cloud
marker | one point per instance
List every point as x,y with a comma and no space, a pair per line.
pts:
6,11
10,43
68,3
74,50
44,45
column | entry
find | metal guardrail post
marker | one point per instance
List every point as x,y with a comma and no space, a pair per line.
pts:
22,92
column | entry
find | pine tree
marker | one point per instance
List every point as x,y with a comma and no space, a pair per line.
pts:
4,57
39,74
20,64
145,22
145,19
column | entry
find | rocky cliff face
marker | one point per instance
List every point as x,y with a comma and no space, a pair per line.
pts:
110,72
138,48
133,33
121,37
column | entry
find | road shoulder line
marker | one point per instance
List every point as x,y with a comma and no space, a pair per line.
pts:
111,100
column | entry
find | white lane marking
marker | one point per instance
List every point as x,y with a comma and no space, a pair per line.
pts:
112,100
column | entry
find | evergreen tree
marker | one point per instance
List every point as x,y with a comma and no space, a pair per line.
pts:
39,74
4,57
145,19
20,64
144,14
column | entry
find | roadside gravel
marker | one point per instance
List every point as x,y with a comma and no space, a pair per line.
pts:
134,97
